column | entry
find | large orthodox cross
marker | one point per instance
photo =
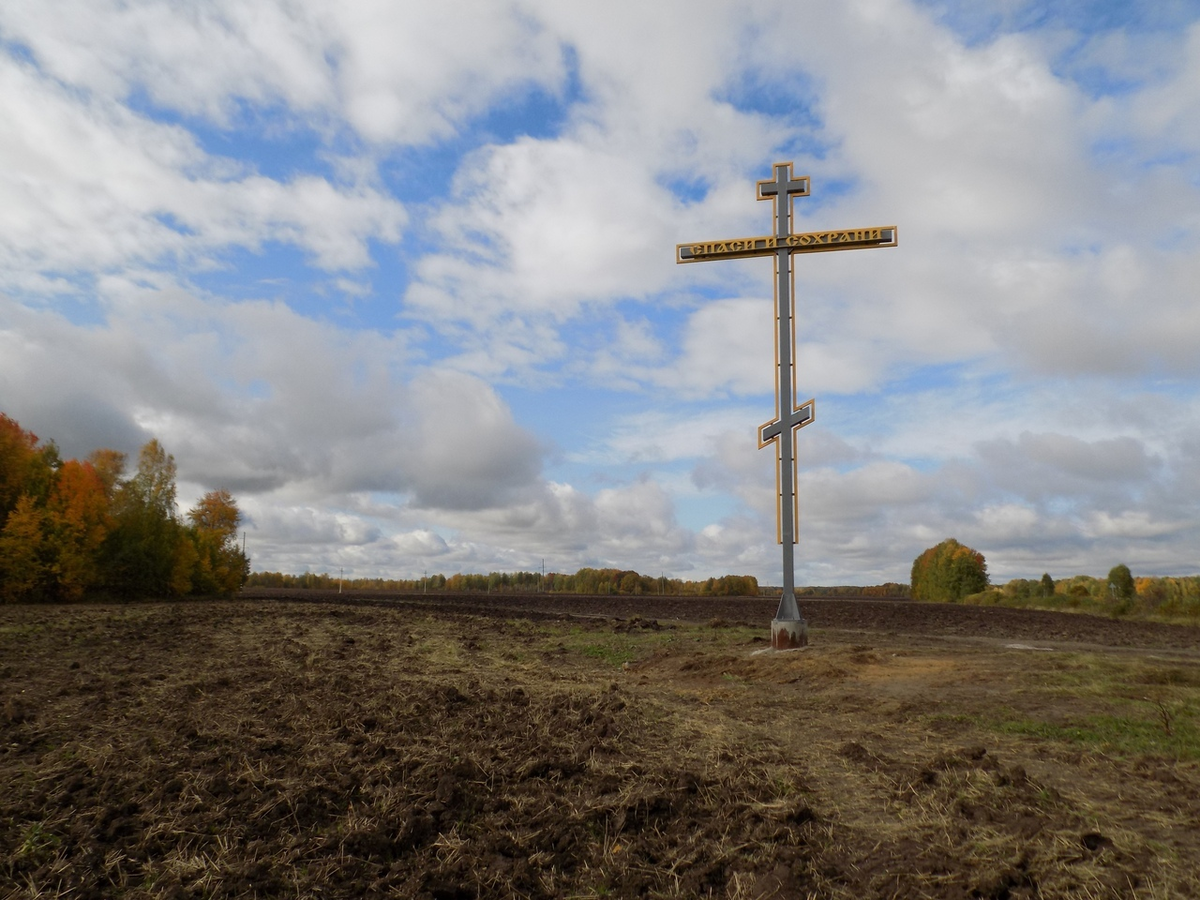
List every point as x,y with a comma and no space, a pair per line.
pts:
788,629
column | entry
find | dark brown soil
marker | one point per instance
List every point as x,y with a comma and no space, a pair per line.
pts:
387,748
895,616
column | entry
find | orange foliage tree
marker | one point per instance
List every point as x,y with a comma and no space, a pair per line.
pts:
26,467
69,528
77,522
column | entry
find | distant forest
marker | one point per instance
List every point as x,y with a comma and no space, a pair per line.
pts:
585,581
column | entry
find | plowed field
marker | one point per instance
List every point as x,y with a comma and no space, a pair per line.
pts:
368,746
898,616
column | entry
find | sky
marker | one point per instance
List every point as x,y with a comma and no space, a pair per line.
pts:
400,276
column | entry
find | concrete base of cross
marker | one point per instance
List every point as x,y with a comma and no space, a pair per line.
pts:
788,634
788,629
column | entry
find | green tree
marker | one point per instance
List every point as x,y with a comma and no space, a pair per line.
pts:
630,583
1047,585
142,554
948,572
1120,582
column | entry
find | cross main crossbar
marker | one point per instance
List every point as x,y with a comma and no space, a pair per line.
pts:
807,242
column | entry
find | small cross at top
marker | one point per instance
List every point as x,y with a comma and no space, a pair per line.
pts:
782,188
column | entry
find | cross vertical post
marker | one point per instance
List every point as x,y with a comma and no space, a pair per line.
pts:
788,629
782,188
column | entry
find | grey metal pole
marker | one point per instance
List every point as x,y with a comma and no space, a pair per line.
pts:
787,451
788,629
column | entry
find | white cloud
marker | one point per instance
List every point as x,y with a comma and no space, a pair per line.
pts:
407,73
1165,115
1056,463
414,72
1132,524
727,346
538,228
464,449
255,397
89,186
194,59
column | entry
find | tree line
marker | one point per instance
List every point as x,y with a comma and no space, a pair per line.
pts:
889,590
73,528
585,581
952,572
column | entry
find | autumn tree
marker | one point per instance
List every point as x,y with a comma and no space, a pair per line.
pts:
77,522
220,566
17,447
109,466
25,571
27,473
730,586
26,466
948,572
67,528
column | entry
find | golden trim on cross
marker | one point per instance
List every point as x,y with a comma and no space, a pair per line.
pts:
790,415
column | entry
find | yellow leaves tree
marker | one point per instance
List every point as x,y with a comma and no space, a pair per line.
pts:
109,466
220,567
24,568
948,572
26,473
142,552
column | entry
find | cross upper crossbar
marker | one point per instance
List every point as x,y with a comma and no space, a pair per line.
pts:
782,188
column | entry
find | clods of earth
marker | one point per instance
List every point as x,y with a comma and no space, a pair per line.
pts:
393,748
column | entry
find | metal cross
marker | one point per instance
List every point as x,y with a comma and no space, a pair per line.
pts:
789,628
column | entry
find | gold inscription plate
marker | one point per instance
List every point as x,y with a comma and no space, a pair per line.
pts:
808,242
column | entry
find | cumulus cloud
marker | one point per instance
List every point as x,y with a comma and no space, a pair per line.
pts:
90,186
405,73
287,414
1040,465
541,227
464,449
